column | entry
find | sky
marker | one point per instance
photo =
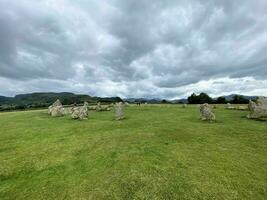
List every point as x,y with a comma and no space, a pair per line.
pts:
129,48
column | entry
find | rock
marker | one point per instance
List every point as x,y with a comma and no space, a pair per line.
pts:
119,111
206,112
80,112
261,101
259,109
56,109
242,108
229,106
98,107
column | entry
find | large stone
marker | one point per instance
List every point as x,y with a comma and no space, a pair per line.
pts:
206,112
257,110
119,111
80,112
98,107
56,109
261,101
243,108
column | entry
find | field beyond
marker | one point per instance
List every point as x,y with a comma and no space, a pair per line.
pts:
157,152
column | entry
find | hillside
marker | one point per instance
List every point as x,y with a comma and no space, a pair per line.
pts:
39,100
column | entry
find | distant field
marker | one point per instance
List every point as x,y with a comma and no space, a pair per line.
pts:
157,152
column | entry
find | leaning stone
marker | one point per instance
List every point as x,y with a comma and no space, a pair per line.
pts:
206,113
56,109
119,111
56,103
257,110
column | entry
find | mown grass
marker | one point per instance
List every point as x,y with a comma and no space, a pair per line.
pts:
157,152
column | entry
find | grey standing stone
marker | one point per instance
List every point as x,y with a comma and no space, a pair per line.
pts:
206,112
56,109
257,110
119,111
98,107
80,112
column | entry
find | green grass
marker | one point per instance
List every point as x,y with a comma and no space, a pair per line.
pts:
157,152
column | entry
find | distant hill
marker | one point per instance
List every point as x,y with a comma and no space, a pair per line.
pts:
38,100
142,100
181,101
231,96
5,99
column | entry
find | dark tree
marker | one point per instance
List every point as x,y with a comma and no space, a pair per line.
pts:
164,101
239,99
221,100
199,99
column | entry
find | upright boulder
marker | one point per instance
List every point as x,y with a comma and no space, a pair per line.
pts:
98,107
80,112
56,109
119,111
206,112
257,110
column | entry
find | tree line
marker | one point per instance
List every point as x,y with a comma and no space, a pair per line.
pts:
205,98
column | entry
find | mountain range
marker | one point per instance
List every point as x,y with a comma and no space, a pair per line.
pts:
47,98
183,100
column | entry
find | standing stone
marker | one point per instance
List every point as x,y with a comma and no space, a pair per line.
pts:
258,109
206,113
261,101
98,107
80,112
119,111
56,109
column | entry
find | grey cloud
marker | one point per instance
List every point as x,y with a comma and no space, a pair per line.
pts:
144,48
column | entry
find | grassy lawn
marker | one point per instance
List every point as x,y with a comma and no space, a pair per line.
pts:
157,152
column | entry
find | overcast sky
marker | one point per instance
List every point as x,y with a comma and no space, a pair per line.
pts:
133,48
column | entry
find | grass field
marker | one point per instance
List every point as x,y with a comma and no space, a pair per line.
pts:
157,152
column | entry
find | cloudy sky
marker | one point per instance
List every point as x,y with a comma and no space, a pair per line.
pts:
130,48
